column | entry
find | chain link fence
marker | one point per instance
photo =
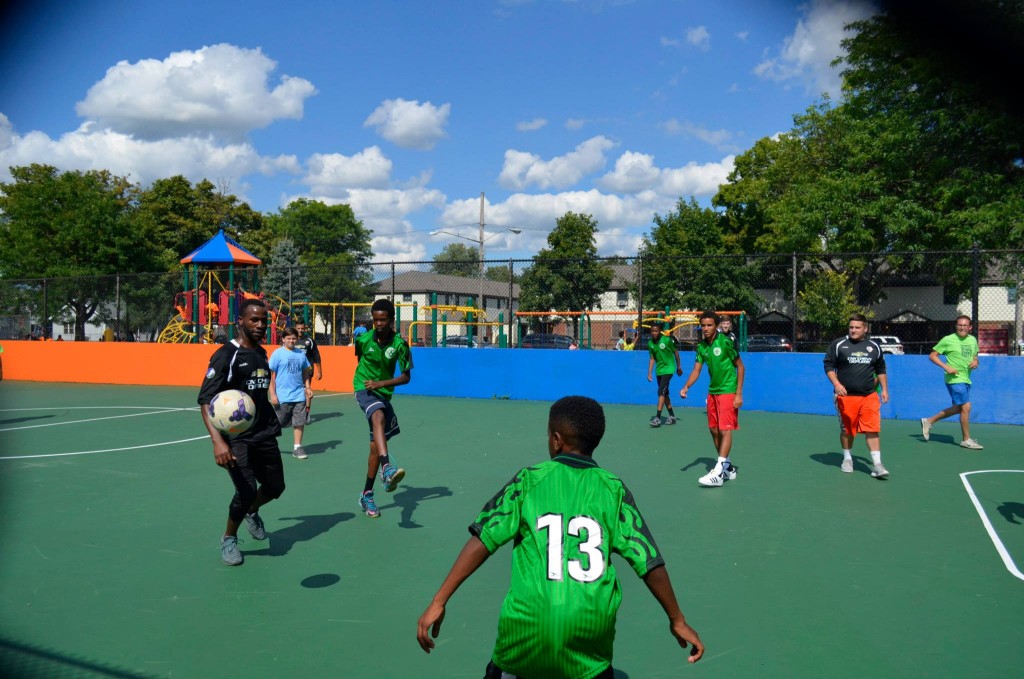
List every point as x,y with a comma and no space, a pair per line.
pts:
805,299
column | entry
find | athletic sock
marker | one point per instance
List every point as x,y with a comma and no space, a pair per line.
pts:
297,446
724,462
384,461
847,454
658,414
876,456
671,413
369,485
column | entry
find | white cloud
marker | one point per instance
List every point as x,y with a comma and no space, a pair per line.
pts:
633,172
720,139
409,124
699,37
142,160
636,173
220,90
6,132
523,169
328,173
807,54
669,42
742,35
531,125
575,123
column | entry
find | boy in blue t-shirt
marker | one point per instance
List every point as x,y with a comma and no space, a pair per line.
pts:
290,373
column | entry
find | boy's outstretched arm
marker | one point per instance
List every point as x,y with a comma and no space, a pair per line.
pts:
658,582
471,557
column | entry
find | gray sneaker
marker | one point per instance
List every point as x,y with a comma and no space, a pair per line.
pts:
299,453
671,420
847,466
255,525
880,472
926,428
229,553
655,421
972,444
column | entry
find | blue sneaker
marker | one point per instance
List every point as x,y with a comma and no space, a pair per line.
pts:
255,525
229,553
367,504
391,476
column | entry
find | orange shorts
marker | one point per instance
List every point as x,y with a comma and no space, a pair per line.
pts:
722,413
859,414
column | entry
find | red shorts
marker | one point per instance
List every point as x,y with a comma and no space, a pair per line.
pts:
722,413
859,414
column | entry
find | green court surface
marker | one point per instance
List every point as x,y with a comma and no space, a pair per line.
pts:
111,511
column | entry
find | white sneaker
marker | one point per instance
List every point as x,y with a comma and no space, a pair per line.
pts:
880,472
847,466
714,478
926,428
730,473
299,453
972,444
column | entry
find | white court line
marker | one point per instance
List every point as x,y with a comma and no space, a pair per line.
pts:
95,419
1000,547
108,450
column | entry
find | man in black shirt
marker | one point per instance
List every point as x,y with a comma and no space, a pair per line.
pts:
852,364
252,458
308,345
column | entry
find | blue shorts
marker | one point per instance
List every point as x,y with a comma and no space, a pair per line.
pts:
959,392
371,403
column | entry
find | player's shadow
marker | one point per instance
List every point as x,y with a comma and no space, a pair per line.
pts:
16,420
836,460
306,528
707,462
321,448
936,438
315,417
408,498
619,674
1011,511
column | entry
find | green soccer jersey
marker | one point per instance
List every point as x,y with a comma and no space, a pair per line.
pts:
378,362
719,355
664,354
566,516
959,353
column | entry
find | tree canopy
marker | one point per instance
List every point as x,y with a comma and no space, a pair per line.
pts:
457,259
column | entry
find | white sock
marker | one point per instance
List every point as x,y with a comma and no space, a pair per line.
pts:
876,456
297,446
847,454
723,462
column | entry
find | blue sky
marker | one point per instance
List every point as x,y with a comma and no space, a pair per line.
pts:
409,110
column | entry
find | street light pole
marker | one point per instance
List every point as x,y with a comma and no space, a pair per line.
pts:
480,301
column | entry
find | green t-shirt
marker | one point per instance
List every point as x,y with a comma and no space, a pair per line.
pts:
566,516
378,362
720,356
664,354
959,353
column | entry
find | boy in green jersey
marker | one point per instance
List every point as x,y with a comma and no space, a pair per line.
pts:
725,394
378,352
665,355
961,353
566,516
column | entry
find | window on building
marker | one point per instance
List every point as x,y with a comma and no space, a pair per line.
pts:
406,296
622,297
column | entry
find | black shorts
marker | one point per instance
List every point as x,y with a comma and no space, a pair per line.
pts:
371,403
495,672
663,381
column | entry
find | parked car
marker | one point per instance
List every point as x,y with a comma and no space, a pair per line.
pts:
890,344
769,343
544,341
463,341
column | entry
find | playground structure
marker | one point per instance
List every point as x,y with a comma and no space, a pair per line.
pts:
582,322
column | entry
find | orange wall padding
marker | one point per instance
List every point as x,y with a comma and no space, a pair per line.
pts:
142,363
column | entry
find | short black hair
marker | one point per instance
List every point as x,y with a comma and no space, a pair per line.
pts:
384,305
860,318
580,421
709,314
248,302
289,332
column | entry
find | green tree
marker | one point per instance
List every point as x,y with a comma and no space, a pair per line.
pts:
567,275
457,259
827,302
285,276
683,268
73,226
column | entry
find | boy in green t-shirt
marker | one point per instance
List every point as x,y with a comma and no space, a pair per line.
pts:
961,352
725,394
665,355
566,517
378,352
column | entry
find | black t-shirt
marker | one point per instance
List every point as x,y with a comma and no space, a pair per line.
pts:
235,367
308,345
856,364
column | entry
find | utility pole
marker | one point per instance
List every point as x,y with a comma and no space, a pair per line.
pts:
480,302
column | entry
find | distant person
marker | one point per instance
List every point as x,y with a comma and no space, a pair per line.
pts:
960,350
620,345
630,341
725,327
565,518
289,387
725,394
307,344
665,355
359,330
60,338
852,364
378,353
252,458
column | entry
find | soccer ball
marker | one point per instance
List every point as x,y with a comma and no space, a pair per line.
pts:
232,411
